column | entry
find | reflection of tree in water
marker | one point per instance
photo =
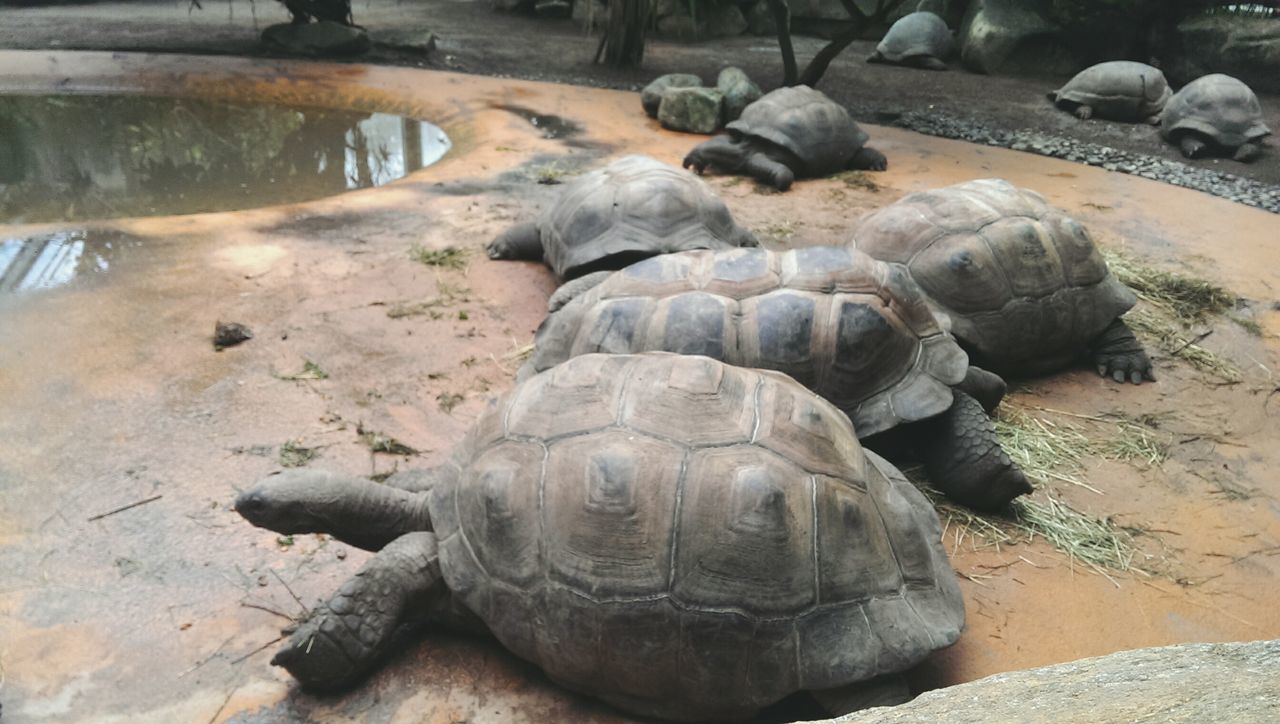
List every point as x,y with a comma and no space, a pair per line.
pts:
65,157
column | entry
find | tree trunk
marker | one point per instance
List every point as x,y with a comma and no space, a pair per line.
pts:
623,41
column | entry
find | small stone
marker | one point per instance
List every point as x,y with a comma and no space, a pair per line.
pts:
229,334
693,110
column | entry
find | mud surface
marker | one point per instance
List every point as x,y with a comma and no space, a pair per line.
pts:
169,610
474,38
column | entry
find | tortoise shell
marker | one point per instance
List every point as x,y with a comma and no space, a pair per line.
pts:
1023,283
916,34
812,127
1217,106
691,540
1121,90
854,330
633,208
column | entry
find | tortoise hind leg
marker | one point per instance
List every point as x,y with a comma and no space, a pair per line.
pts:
522,242
965,461
886,690
1119,355
344,637
986,387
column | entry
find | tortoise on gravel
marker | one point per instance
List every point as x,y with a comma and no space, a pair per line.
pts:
1118,90
920,40
1215,114
633,208
673,535
854,330
788,133
1024,285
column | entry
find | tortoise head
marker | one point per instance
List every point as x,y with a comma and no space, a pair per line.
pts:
296,501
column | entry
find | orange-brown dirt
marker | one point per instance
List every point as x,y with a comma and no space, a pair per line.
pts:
112,394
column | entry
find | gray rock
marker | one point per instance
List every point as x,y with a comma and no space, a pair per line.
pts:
651,96
694,110
739,91
407,40
1247,48
1013,37
552,8
508,4
322,38
1236,682
723,21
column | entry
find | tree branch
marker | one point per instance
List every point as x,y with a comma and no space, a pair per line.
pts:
782,18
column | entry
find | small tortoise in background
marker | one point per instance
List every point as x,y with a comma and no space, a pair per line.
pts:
631,209
678,537
788,133
854,330
1024,285
918,40
1215,114
1118,90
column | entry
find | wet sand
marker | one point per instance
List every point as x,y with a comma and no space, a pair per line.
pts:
112,394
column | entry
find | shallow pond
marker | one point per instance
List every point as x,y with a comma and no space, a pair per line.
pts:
65,158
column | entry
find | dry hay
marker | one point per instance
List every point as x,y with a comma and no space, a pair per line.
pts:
450,257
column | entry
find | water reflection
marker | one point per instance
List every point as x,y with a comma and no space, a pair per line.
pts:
80,157
51,260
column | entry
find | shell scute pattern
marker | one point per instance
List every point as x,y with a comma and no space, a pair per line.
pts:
636,205
764,556
839,322
915,34
1217,106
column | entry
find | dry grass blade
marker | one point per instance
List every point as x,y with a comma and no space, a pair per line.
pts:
1188,298
1045,450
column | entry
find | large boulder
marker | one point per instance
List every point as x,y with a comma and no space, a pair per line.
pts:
1237,682
739,92
321,39
1014,37
651,96
723,21
693,110
1246,48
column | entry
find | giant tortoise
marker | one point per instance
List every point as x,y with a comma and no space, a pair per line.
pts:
918,40
854,330
1215,114
1024,285
673,535
1118,90
788,133
631,209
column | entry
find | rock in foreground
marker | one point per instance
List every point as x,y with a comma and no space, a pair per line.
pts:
1186,683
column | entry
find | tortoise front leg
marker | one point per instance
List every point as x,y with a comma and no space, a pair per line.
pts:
343,638
764,169
1119,355
1192,147
964,459
522,242
720,153
868,159
1247,152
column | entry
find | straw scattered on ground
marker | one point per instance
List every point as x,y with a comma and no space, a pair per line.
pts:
450,257
310,371
1189,299
1181,344
1055,447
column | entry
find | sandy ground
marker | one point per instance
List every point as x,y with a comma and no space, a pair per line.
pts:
474,38
169,611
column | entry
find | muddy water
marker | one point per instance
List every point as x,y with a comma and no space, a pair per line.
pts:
68,157
113,395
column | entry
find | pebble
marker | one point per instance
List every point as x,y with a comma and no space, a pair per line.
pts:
1218,183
